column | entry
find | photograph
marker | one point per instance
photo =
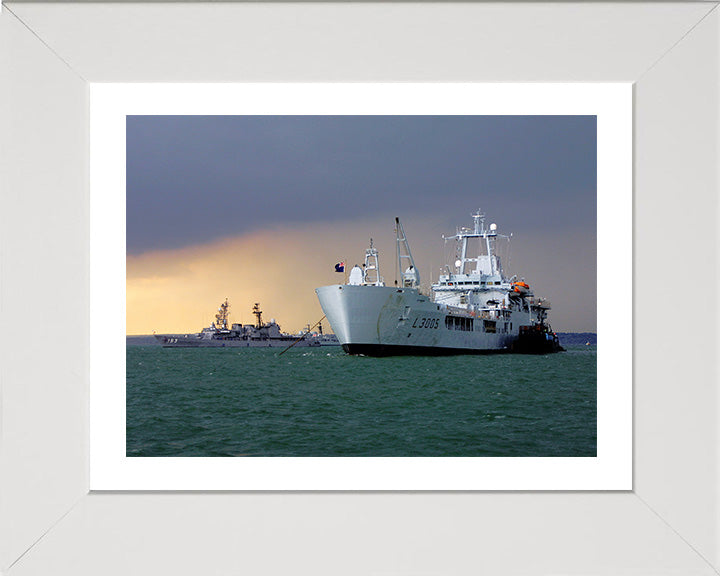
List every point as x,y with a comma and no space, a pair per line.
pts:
361,286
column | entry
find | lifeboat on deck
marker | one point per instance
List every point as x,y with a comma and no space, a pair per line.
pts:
520,289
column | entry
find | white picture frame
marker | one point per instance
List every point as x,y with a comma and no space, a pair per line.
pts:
667,525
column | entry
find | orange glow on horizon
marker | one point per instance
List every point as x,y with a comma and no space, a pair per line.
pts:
179,291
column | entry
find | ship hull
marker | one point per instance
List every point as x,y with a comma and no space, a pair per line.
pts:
401,350
193,341
387,321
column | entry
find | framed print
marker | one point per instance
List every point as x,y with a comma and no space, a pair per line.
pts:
56,56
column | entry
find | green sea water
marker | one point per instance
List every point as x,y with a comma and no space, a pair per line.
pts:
323,402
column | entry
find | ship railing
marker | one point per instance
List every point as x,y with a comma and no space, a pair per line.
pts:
457,311
539,303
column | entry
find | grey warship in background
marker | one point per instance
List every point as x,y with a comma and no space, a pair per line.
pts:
472,309
258,335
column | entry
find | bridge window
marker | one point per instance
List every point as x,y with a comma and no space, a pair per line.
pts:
459,323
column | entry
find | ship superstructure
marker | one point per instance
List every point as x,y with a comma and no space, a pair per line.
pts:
473,308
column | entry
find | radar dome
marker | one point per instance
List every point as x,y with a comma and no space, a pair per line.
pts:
493,226
457,263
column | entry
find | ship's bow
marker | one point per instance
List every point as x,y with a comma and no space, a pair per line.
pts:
354,312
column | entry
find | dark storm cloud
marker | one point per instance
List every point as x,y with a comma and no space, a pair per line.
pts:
194,179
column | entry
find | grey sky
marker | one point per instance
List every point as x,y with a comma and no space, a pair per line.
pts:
196,179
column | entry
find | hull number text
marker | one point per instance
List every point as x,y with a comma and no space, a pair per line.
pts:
426,323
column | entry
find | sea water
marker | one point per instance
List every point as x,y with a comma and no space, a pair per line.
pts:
323,402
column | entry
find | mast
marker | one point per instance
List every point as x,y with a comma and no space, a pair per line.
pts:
484,263
371,271
221,318
258,314
410,275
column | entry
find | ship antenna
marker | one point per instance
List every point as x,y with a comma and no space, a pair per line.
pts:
222,316
258,314
479,220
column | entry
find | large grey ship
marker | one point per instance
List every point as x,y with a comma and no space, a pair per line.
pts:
222,334
472,309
